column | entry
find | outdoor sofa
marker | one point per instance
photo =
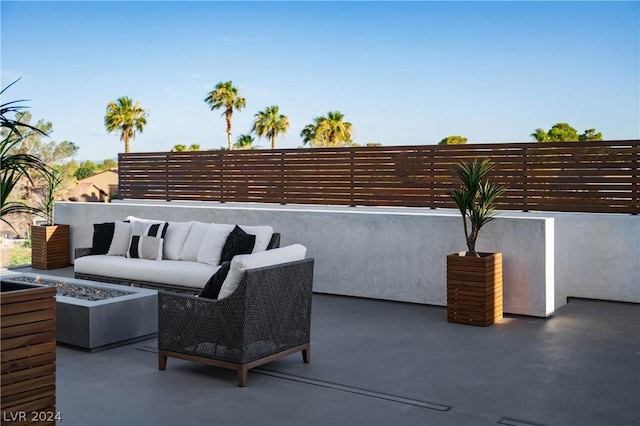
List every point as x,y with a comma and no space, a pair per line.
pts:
190,255
251,310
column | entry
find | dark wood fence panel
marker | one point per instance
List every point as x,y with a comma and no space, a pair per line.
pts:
577,177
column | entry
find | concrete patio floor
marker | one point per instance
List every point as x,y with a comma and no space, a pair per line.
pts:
382,363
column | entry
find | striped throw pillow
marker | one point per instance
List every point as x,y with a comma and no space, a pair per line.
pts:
146,242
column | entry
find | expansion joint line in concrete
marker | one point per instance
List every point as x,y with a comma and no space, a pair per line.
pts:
354,390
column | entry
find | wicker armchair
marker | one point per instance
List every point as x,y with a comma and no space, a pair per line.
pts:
266,318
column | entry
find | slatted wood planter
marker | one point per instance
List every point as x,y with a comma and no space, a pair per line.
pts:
474,288
28,353
50,246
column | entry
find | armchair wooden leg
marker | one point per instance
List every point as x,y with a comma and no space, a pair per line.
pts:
242,375
306,355
162,361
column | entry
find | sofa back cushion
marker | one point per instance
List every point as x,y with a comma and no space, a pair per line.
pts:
212,245
241,263
263,234
174,239
193,241
121,239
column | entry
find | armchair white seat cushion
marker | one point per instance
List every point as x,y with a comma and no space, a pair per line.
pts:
241,263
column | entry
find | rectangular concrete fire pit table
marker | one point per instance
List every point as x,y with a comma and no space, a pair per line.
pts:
126,315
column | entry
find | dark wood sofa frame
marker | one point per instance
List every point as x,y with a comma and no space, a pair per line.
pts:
86,251
266,318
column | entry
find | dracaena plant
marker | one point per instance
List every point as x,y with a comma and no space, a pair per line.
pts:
15,166
53,180
475,199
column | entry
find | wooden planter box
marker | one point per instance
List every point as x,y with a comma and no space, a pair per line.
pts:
28,353
50,246
474,288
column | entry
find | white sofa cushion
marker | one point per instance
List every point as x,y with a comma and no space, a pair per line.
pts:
177,233
121,238
192,244
213,244
263,234
176,272
173,240
241,263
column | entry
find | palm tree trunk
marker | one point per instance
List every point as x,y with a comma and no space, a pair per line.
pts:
228,117
126,141
273,141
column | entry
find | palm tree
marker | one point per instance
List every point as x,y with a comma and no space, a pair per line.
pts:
331,130
308,134
270,123
126,117
453,140
225,96
540,135
244,142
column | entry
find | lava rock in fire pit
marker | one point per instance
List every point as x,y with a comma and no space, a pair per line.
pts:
74,290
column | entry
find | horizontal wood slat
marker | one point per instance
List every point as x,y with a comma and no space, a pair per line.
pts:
50,246
28,353
597,177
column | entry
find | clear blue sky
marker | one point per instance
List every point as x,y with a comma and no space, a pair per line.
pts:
400,72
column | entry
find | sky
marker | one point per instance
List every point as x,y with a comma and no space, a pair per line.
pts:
402,73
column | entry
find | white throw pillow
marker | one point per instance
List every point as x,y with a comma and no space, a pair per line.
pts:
191,245
121,238
212,244
147,240
263,234
177,233
242,262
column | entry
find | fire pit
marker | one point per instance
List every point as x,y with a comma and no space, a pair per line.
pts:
64,288
94,316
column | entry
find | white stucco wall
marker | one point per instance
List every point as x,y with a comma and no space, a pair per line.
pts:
400,254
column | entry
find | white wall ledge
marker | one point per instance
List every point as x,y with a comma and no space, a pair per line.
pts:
398,253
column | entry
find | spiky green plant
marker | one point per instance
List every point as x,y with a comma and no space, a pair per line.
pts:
53,181
475,199
15,166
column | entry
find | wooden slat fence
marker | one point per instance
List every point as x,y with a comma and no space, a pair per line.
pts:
599,177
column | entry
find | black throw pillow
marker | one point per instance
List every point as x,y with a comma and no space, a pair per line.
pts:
238,242
102,236
213,286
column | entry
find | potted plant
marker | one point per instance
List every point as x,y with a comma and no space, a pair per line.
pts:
27,311
50,241
474,280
